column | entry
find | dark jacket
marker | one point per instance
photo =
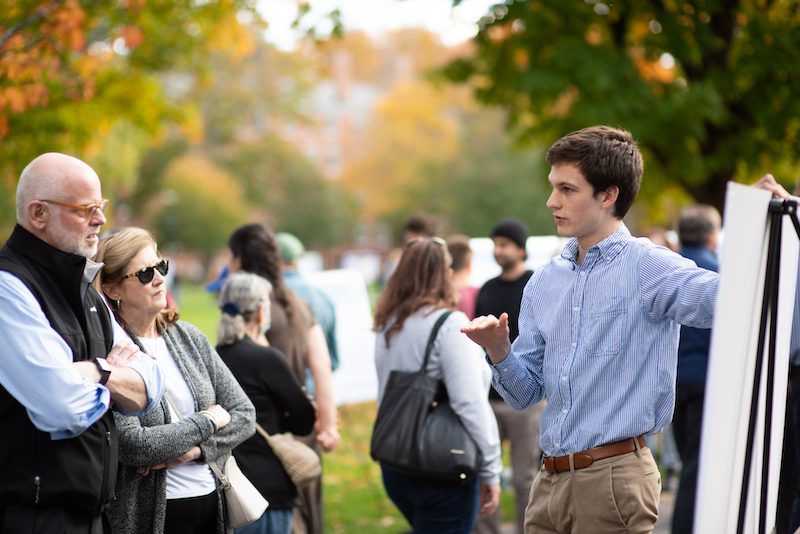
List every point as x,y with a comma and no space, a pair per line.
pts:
695,342
80,471
268,380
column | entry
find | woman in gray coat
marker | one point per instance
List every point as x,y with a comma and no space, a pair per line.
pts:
165,484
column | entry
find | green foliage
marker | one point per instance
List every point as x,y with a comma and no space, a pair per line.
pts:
86,78
202,206
295,197
487,180
724,110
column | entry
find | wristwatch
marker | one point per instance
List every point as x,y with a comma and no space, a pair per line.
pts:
105,369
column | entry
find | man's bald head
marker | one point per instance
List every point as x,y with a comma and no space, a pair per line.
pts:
51,176
51,193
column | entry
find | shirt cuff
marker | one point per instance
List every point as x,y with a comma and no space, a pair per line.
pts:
86,419
504,369
154,381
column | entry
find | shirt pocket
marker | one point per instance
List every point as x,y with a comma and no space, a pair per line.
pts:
607,326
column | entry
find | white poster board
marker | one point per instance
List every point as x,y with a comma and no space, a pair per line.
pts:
731,368
356,379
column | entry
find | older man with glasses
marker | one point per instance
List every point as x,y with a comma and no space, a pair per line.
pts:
64,361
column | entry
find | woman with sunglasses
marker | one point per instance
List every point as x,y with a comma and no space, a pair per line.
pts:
419,291
165,484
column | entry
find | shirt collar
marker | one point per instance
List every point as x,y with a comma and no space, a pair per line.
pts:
90,271
609,248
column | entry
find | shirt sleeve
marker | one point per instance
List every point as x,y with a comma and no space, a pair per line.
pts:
153,378
519,377
36,367
675,287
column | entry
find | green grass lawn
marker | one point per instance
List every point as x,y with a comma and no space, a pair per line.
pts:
199,307
355,500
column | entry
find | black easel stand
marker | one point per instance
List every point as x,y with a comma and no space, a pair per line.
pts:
769,312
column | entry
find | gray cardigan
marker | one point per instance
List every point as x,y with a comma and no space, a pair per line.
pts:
459,363
140,501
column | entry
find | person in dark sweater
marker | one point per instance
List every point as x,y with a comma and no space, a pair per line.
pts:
698,227
265,375
521,429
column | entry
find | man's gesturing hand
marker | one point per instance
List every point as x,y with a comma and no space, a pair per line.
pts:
490,333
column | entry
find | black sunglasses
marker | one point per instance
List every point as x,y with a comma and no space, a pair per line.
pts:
145,276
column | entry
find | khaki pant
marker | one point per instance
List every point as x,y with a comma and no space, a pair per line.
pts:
614,495
521,429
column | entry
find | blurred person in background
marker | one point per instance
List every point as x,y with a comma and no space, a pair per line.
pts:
165,484
461,253
419,224
499,295
296,334
265,375
292,249
698,230
419,291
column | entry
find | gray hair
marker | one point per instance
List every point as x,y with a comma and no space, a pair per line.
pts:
241,296
34,184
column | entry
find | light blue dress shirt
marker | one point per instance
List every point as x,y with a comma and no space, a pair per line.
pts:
36,367
600,340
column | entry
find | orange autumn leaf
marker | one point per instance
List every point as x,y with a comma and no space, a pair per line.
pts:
132,36
15,98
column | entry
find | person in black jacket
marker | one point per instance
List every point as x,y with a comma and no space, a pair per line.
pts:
265,375
64,362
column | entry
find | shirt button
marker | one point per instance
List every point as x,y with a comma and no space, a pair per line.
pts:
574,344
583,273
576,308
563,378
564,410
557,444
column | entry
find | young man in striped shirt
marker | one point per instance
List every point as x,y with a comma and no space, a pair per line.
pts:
598,336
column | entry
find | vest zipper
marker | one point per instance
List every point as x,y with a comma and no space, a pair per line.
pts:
106,469
37,481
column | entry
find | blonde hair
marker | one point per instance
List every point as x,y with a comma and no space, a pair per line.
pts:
247,292
116,251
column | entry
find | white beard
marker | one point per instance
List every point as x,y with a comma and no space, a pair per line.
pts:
73,243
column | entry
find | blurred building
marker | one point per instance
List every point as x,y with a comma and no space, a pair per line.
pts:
338,115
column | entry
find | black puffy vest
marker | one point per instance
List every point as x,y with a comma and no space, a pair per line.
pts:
34,469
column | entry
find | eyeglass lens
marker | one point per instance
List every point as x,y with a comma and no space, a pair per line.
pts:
145,276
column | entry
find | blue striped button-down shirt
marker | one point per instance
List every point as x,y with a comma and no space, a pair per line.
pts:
600,340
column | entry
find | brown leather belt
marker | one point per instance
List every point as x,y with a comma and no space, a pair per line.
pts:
557,464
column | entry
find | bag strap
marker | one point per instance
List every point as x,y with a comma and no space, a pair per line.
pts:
261,431
439,322
220,475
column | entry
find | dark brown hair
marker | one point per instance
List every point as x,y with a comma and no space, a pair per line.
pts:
422,224
422,278
460,251
606,157
257,249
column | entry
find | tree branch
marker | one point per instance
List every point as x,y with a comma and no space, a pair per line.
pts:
36,15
